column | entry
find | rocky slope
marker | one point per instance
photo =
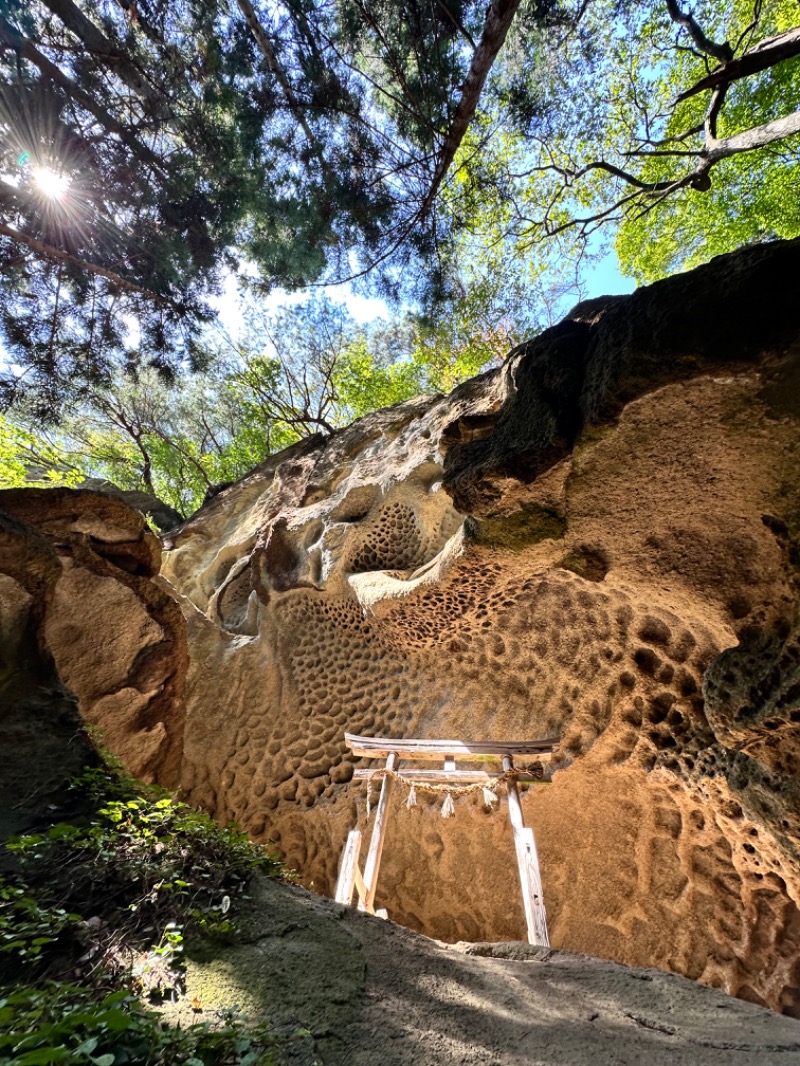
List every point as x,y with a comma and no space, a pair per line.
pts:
82,617
597,542
341,988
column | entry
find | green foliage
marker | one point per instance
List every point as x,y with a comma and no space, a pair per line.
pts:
752,195
33,458
562,101
173,441
196,138
158,863
144,871
203,139
26,928
306,369
363,384
61,1022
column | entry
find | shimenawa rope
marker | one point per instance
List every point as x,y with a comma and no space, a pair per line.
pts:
490,797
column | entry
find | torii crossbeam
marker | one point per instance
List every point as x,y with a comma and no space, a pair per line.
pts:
350,876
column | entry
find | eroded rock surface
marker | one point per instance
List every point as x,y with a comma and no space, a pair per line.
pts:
84,617
597,542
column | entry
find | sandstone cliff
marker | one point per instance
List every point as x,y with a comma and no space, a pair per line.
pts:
81,616
597,542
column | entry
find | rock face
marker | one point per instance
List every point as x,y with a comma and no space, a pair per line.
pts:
345,989
82,612
161,514
597,542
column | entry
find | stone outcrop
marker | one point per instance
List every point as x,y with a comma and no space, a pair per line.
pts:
85,616
345,989
596,542
160,514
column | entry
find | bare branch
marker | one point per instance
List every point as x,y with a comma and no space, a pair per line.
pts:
766,54
756,137
722,52
748,30
712,113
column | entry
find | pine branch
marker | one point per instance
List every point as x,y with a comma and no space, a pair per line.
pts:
264,43
98,44
13,39
49,251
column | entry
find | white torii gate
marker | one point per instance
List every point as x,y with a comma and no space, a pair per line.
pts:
350,876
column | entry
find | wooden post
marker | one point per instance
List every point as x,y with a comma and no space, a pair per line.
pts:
528,864
347,874
350,876
373,863
361,888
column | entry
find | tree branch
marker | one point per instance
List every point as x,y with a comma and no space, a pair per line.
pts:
98,44
456,22
722,52
13,39
766,54
756,137
59,256
265,45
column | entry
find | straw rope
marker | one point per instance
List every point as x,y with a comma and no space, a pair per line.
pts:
488,788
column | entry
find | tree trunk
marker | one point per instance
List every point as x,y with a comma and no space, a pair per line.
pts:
498,22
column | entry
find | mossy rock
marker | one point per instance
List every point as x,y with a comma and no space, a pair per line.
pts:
517,531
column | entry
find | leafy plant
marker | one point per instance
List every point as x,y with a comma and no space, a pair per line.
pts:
26,928
152,863
66,1023
144,871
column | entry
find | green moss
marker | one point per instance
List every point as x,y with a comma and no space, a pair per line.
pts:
517,531
593,433
588,563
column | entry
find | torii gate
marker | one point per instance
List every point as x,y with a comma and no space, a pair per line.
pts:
351,877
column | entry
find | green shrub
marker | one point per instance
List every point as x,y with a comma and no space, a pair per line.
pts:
67,1024
147,864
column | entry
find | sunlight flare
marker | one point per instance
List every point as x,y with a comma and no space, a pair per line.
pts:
51,183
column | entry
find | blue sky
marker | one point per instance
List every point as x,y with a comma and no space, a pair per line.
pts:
603,279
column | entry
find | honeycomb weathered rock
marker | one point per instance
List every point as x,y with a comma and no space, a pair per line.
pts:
630,478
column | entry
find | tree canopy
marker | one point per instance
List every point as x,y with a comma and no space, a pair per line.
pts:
301,370
430,148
